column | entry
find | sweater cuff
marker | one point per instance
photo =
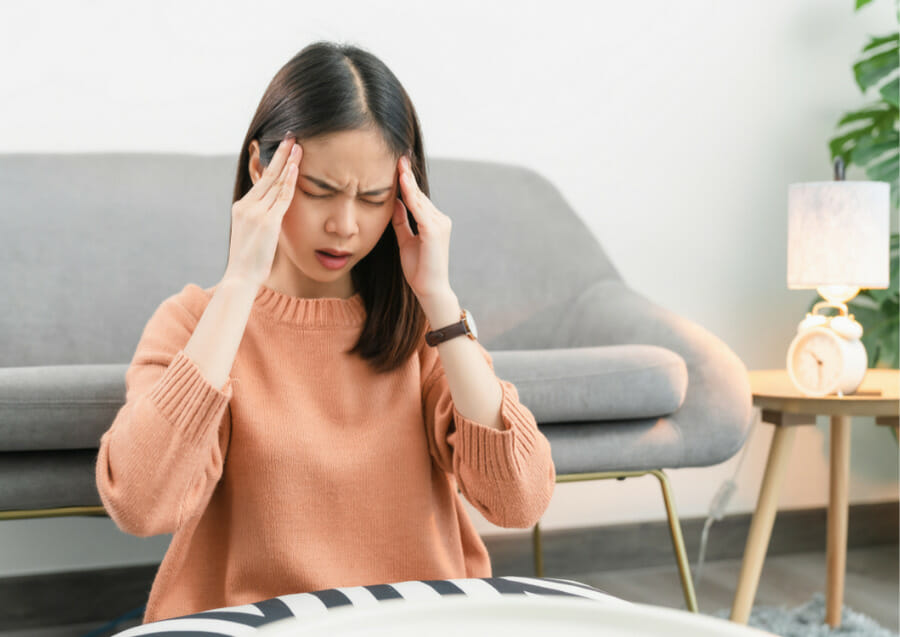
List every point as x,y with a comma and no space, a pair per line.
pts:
187,399
498,455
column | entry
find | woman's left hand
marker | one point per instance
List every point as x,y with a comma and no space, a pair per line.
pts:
425,257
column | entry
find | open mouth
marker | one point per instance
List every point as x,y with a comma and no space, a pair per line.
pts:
330,261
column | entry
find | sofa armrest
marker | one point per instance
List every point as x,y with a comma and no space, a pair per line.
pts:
53,407
718,410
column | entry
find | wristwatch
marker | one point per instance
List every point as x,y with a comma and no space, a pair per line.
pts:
465,325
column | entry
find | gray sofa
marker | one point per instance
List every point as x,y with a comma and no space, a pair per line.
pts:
92,243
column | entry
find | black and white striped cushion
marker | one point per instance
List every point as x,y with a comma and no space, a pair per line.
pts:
234,621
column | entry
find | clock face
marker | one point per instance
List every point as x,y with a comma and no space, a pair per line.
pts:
817,360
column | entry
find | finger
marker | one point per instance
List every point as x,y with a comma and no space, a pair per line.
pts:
287,191
273,170
406,173
407,185
286,194
274,192
416,201
277,190
401,223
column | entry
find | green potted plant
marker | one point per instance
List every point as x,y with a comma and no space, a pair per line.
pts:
869,137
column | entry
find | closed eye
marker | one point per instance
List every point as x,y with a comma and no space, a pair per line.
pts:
371,203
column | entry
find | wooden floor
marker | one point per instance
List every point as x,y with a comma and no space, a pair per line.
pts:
872,586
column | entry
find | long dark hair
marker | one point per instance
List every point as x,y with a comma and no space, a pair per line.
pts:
327,88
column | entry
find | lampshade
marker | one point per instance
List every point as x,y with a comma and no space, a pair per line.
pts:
838,234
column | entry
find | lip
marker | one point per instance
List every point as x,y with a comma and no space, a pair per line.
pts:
340,253
332,263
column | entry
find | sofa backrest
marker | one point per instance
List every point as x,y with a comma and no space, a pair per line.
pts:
92,243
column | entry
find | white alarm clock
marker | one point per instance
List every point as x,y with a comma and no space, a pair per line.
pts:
827,356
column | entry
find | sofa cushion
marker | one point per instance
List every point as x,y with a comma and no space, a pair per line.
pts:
49,407
592,384
54,407
32,480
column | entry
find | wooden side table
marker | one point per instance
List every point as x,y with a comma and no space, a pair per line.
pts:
785,407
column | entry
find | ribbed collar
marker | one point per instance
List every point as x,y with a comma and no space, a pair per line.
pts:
310,312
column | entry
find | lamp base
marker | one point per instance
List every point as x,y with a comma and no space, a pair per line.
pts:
837,294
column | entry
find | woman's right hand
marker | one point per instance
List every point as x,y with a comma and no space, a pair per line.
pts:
256,217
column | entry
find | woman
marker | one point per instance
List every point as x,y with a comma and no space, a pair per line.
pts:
346,431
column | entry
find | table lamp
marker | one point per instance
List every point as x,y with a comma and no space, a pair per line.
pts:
838,242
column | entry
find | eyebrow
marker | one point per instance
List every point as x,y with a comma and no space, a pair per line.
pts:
327,186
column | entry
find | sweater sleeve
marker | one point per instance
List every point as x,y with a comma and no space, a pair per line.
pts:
163,455
509,475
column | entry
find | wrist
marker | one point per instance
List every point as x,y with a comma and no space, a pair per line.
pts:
239,282
442,310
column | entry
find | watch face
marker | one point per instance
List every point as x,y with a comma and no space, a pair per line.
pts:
470,321
816,360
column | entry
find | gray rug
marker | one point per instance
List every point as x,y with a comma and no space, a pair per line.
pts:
808,620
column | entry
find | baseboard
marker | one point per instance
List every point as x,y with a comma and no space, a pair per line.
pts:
76,597
645,544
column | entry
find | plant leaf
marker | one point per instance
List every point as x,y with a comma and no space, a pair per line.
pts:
882,342
865,300
891,91
895,262
861,3
867,316
871,70
873,339
869,147
872,111
880,116
876,42
885,169
881,296
844,144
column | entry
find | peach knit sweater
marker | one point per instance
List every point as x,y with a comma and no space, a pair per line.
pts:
307,470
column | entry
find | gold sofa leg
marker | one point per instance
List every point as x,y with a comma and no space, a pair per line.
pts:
538,553
684,569
24,514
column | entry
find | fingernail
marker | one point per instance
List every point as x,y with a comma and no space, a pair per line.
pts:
287,136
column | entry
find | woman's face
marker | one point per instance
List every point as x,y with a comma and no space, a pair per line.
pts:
344,201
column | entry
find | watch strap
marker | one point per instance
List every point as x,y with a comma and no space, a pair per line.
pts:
435,337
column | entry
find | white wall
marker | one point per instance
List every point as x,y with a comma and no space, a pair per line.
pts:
687,118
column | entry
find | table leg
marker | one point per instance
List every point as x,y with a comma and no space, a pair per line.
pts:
836,561
761,525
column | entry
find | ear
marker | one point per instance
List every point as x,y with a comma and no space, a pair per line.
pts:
253,165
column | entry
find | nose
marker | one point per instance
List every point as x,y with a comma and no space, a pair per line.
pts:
342,216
